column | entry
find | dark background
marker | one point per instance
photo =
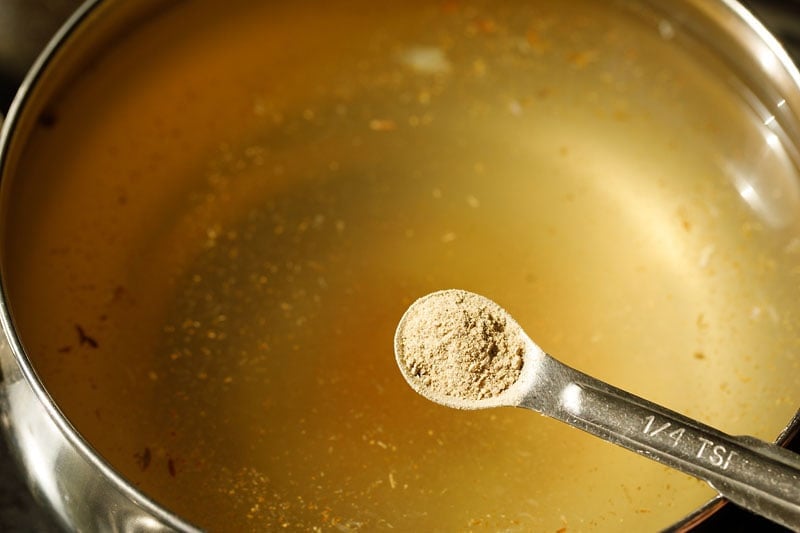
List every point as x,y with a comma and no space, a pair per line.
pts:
18,510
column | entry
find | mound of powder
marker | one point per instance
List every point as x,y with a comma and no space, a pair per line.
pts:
458,344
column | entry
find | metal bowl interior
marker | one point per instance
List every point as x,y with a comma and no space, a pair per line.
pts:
230,188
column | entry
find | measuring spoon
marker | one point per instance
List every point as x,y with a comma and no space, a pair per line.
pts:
759,476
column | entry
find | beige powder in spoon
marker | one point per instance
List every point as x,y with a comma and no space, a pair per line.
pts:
457,344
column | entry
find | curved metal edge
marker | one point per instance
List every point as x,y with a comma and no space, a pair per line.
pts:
792,428
72,436
782,55
766,36
699,516
6,130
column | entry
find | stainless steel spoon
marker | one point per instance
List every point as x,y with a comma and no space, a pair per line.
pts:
759,476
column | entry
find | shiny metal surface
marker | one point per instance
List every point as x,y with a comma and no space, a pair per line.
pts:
83,491
86,494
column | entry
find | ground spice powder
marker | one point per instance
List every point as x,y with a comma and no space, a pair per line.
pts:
458,344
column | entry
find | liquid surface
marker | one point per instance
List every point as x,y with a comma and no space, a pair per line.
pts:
208,264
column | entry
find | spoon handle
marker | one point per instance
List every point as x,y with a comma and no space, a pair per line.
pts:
761,477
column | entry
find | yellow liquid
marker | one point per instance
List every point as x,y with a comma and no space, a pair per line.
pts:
208,264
